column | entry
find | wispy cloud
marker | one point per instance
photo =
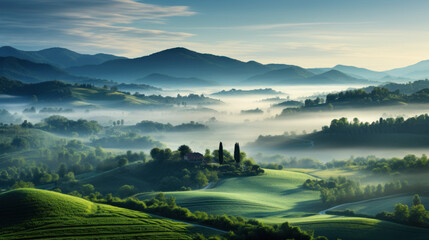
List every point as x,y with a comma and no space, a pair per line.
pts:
112,24
272,26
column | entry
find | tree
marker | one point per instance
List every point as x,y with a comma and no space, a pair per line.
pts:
401,212
62,171
220,153
201,179
416,200
122,162
418,214
184,149
155,153
20,142
126,190
86,189
207,156
161,155
237,155
22,184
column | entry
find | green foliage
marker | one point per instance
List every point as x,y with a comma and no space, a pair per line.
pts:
62,125
340,189
169,172
417,216
122,162
128,140
220,153
126,190
191,99
184,149
405,88
86,189
401,213
416,200
17,137
22,184
161,155
237,154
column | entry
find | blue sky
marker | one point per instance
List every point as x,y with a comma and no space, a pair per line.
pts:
377,34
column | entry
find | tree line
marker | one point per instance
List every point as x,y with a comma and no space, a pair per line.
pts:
238,228
339,190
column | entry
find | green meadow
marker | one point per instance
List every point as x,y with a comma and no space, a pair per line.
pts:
372,207
277,196
271,197
39,214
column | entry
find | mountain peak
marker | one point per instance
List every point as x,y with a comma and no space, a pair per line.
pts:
176,50
334,72
56,56
8,48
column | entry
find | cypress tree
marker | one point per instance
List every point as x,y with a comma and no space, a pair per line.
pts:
416,200
237,155
220,153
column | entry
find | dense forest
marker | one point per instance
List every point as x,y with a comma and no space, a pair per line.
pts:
405,88
334,191
358,98
389,132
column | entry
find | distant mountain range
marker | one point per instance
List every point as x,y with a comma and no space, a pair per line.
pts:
419,70
177,62
58,57
297,75
178,67
31,72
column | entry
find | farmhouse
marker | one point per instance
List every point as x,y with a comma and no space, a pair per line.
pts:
194,157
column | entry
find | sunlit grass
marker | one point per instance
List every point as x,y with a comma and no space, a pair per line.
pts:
31,213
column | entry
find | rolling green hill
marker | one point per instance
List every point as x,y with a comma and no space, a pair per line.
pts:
372,207
39,214
356,228
271,197
276,197
56,91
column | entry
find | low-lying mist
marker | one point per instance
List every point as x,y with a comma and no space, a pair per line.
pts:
227,122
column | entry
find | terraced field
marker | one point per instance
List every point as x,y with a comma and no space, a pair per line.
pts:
39,214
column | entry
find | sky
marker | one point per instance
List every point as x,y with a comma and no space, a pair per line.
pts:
376,34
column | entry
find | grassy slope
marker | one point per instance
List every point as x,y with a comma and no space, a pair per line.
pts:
364,177
110,181
383,204
277,196
99,94
271,197
33,214
350,228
